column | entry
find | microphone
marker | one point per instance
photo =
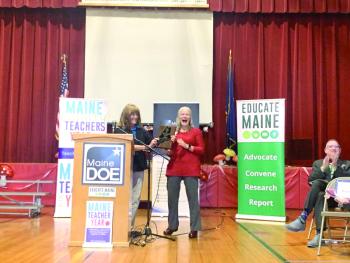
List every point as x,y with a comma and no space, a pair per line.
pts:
116,127
206,126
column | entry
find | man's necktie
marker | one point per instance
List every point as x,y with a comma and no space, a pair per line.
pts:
332,168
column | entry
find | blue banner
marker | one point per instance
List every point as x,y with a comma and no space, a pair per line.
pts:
65,153
231,132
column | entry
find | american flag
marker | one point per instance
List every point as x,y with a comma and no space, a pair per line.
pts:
64,91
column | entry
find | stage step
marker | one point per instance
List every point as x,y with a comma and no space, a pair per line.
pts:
33,207
30,181
20,207
24,193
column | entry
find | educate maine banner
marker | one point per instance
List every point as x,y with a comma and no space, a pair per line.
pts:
260,134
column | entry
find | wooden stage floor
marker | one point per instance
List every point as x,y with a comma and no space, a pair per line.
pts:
45,239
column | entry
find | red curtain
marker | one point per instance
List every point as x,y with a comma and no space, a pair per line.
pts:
302,58
31,44
280,6
39,3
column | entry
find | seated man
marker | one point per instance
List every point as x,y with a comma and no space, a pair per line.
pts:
323,171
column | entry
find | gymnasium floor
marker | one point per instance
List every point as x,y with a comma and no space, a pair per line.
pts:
45,239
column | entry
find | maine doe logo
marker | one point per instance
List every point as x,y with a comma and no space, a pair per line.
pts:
103,163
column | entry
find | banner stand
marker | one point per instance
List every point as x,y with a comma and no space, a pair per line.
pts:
265,218
75,116
260,133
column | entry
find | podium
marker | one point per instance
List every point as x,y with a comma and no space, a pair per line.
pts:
101,191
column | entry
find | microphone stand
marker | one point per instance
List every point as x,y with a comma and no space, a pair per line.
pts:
147,231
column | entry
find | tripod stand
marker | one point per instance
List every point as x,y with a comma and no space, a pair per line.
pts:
147,231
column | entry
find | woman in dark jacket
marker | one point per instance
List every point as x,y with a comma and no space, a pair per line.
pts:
130,121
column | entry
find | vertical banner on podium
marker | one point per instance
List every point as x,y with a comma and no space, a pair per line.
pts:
98,225
76,116
260,130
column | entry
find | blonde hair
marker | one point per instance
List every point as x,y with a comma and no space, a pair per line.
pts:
128,110
178,121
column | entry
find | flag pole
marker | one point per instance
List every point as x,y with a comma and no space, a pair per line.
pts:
64,58
227,94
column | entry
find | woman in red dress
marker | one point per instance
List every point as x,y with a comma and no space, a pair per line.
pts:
186,149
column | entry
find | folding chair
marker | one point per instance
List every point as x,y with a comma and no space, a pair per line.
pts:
312,226
339,189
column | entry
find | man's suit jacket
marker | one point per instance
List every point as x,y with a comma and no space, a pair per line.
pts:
343,170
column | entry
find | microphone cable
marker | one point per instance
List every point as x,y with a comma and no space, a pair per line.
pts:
160,176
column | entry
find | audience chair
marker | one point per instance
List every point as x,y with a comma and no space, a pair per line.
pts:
312,226
338,189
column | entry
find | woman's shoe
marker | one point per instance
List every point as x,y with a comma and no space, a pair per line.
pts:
169,231
193,234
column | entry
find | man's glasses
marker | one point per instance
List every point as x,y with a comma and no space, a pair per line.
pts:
333,146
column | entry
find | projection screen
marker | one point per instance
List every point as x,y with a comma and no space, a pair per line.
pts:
146,56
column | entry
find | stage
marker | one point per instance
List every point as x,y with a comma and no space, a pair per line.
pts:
222,239
219,191
45,239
